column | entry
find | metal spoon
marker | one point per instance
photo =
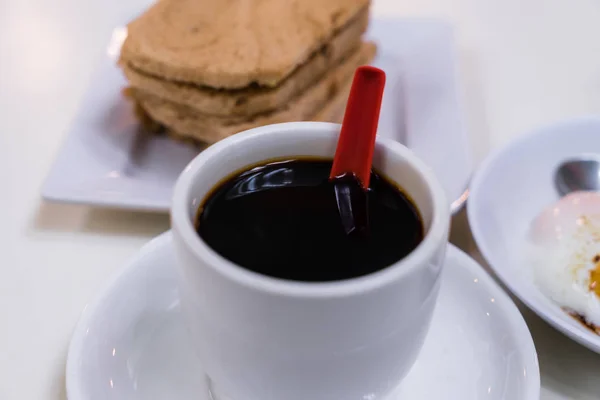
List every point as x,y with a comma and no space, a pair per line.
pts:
575,174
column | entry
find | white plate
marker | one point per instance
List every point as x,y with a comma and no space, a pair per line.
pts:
107,161
131,342
512,186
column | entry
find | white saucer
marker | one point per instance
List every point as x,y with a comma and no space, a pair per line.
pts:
106,160
511,187
131,342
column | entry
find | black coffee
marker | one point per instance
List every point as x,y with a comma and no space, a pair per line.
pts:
281,219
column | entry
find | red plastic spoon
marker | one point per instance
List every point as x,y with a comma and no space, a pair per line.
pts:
354,152
351,170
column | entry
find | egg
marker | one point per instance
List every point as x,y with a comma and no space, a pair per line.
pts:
564,252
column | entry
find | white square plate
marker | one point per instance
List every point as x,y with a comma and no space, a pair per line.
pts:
107,160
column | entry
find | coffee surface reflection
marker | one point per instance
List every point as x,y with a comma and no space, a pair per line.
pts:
282,219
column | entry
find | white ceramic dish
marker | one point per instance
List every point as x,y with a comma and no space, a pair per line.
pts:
131,342
107,161
511,187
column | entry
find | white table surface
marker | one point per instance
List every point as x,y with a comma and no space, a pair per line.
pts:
524,63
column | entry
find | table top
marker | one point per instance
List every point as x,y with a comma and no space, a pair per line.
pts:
523,64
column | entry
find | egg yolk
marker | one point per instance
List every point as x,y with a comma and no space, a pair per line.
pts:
595,276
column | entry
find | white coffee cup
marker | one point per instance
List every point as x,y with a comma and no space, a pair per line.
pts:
263,338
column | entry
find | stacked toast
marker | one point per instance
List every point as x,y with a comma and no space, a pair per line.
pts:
206,69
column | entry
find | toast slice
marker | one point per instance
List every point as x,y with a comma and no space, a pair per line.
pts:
233,43
333,111
254,100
